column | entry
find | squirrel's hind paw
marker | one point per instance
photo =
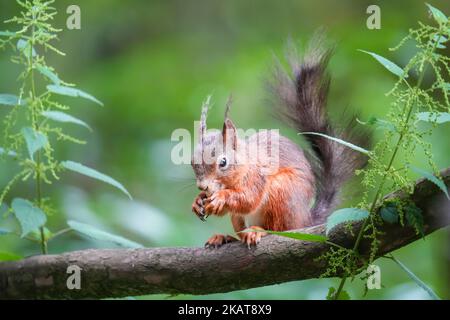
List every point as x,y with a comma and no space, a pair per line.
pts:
252,238
218,240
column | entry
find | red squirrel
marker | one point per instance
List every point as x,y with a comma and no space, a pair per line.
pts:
299,190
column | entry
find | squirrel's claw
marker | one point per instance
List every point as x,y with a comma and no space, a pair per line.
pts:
216,203
218,240
252,238
198,206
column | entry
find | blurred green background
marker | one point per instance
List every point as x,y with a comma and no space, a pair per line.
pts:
153,62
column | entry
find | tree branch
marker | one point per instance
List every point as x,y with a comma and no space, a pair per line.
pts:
127,272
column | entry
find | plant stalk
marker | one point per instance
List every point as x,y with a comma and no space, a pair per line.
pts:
44,248
410,107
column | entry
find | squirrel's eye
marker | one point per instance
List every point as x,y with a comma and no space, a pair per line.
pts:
223,162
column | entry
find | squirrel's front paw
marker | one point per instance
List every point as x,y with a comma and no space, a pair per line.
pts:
198,205
216,203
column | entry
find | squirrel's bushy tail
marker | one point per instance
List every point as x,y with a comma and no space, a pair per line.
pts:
302,102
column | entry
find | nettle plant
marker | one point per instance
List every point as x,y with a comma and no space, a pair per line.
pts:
412,104
33,124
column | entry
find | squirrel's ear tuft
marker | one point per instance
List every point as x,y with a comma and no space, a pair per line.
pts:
229,134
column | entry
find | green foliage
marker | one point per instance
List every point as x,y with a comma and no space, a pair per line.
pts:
346,215
437,117
415,278
343,295
30,217
414,219
345,143
100,235
35,141
9,99
8,256
432,178
389,213
72,92
64,117
392,67
82,169
411,102
298,235
28,136
4,231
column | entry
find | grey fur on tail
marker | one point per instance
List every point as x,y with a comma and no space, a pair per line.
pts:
302,97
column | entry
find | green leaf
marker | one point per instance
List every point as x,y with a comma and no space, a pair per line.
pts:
380,123
9,99
297,235
7,33
35,140
392,67
437,117
4,232
344,216
72,92
9,256
438,15
446,86
389,213
30,217
414,218
438,41
416,279
432,178
342,296
47,72
345,143
79,168
9,153
36,235
64,117
24,46
97,234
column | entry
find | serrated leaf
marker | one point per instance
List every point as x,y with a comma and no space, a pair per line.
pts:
438,15
438,41
34,140
47,72
97,234
64,117
82,169
432,178
414,219
30,217
345,143
24,46
344,216
437,117
297,235
389,65
9,99
72,92
342,296
389,213
9,256
416,279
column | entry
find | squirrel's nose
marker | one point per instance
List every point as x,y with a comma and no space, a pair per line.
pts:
201,186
